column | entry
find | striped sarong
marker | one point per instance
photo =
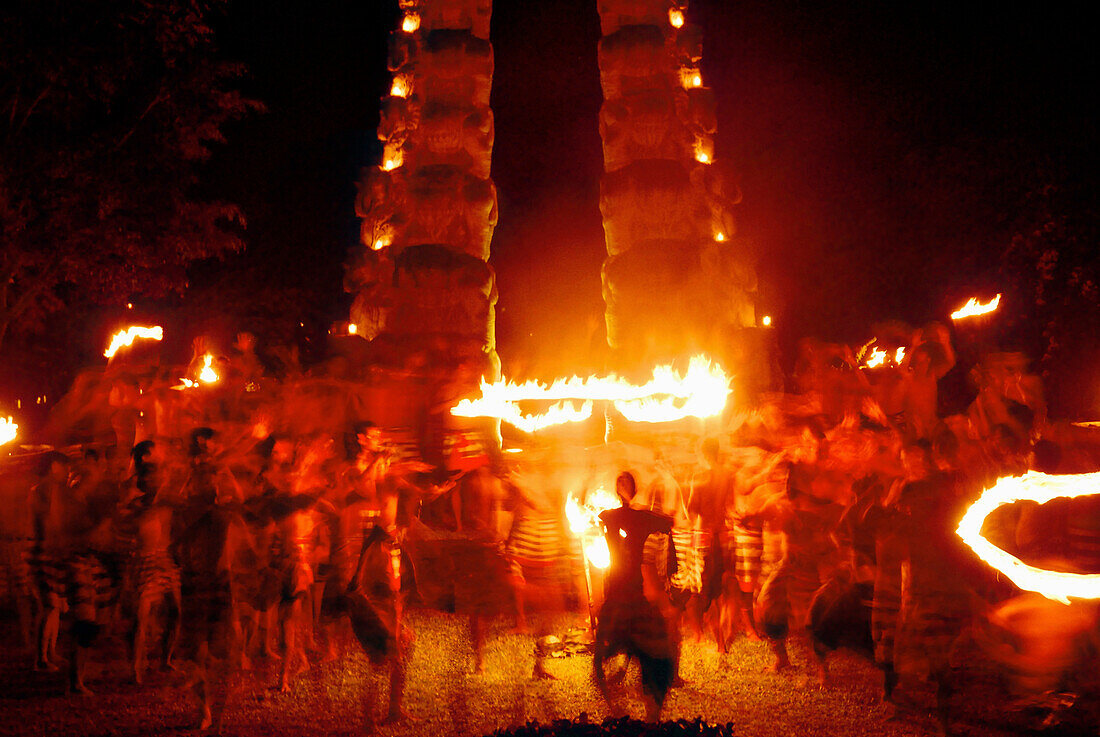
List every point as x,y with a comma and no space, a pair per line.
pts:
157,575
689,560
743,548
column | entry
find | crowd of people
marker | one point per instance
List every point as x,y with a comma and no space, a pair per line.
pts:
831,509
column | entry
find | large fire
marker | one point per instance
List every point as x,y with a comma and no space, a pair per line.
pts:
1041,488
666,397
126,338
9,431
584,522
973,307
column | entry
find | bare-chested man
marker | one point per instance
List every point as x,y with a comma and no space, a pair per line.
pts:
706,512
158,576
211,539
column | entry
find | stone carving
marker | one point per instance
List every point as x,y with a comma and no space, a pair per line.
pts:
461,137
447,206
676,280
615,14
424,294
455,68
634,60
643,127
648,200
466,15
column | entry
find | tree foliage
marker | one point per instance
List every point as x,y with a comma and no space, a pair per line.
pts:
107,108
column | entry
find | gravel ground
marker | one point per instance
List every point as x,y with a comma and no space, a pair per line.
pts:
444,697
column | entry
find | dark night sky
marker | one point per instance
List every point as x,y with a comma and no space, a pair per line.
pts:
824,108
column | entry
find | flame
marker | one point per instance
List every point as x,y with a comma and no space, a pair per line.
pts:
876,359
676,18
125,338
767,321
400,86
974,307
9,431
691,79
1041,488
667,396
393,161
208,375
899,356
584,522
410,23
558,414
352,328
719,237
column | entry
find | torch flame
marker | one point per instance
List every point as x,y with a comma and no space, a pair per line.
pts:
394,161
876,359
410,23
1041,488
667,396
691,79
400,86
676,18
584,522
974,307
125,338
208,375
9,431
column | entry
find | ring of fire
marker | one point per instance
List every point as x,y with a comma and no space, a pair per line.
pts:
1041,488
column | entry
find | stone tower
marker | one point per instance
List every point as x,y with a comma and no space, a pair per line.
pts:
675,281
424,292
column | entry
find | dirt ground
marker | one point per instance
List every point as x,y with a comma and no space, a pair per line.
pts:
445,698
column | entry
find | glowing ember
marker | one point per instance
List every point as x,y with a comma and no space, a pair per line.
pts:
410,23
125,338
974,307
9,431
208,375
766,321
400,87
1041,488
676,18
584,522
667,396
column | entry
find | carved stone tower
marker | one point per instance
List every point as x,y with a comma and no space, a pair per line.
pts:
675,280
424,292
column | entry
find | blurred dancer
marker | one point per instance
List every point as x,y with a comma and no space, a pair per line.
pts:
629,622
